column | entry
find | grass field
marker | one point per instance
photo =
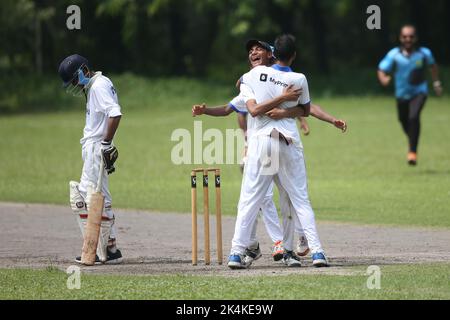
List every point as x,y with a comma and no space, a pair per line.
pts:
397,282
360,176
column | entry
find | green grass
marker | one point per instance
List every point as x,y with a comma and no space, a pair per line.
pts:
397,282
360,176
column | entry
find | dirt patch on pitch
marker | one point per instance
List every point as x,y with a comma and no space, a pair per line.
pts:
38,236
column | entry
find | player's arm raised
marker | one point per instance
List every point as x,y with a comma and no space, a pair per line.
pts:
220,111
289,94
319,113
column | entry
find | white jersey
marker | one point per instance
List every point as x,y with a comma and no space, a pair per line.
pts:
265,83
238,105
102,104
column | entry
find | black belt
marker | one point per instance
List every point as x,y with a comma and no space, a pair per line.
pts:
281,136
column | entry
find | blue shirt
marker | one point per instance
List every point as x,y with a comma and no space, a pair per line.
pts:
409,71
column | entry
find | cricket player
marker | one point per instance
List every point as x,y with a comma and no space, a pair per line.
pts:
280,139
268,209
408,63
259,54
103,114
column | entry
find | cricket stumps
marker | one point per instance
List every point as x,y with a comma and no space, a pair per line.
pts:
205,172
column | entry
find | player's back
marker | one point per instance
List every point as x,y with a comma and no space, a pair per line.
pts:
269,82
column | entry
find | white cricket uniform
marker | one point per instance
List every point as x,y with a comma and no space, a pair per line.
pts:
268,208
262,84
102,103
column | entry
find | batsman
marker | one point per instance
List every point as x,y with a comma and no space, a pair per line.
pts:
90,199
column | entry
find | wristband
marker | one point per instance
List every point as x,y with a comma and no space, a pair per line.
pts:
106,143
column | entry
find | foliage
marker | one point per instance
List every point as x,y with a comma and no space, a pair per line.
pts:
206,38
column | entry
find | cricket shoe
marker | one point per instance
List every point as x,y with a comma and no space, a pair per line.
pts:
302,246
113,257
319,260
97,260
251,255
278,251
412,158
291,260
236,261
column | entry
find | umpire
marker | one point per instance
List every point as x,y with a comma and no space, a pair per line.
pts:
408,64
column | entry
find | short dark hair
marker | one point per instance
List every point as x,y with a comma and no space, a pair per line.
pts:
284,47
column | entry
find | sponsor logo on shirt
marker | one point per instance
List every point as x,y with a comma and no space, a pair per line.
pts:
263,77
278,82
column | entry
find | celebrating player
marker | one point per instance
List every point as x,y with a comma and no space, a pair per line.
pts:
263,52
258,87
260,54
103,115
409,63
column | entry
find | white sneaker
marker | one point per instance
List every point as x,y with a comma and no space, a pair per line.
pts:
236,261
291,260
302,246
319,260
252,255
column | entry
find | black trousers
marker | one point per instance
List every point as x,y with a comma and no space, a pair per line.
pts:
409,117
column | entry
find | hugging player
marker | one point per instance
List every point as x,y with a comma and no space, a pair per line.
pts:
261,53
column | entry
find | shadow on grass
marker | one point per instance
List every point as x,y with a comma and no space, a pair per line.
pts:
431,172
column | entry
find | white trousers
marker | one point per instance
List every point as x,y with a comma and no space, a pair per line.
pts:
290,176
91,154
271,220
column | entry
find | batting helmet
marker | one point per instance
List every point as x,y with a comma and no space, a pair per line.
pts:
69,67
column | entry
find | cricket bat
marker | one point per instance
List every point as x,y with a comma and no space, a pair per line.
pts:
94,221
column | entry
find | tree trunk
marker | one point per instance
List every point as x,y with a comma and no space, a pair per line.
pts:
319,31
38,44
